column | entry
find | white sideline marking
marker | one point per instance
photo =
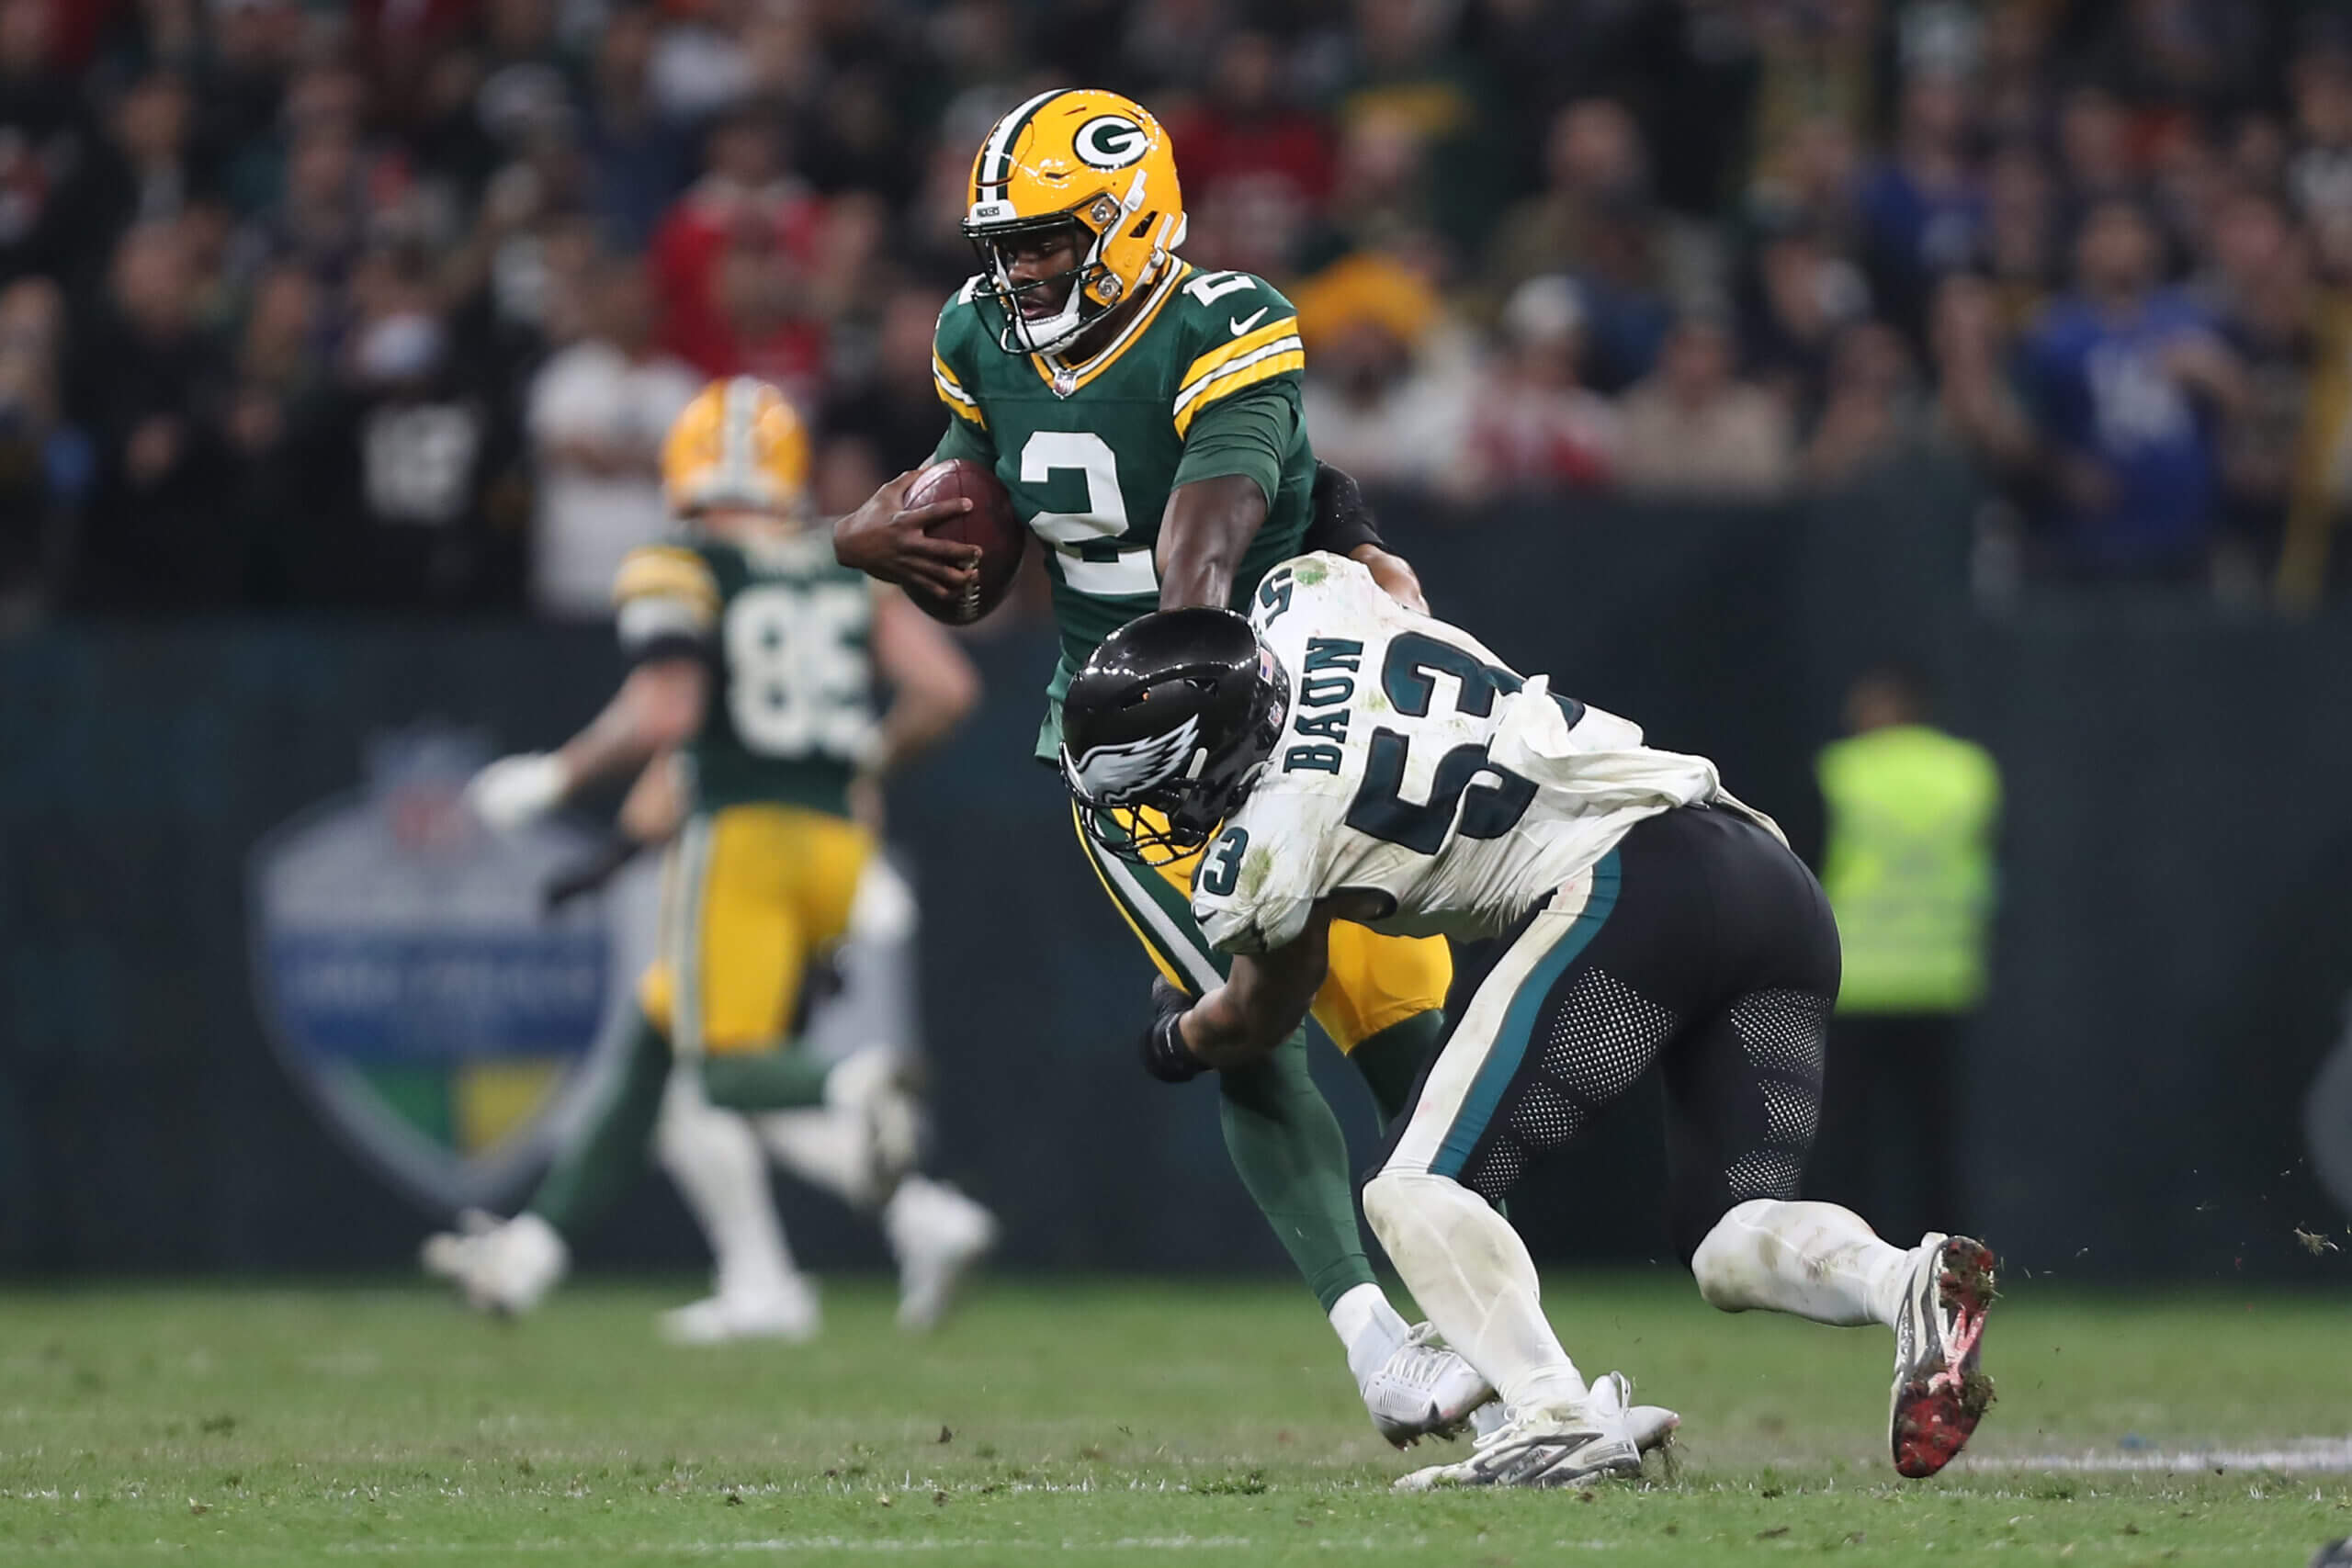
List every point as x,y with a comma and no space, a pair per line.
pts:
2327,1455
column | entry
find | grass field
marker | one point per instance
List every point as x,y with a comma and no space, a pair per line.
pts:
1077,1422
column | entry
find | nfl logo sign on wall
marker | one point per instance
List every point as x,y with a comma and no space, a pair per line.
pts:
413,990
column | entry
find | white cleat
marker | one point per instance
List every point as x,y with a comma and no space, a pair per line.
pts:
940,1237
1566,1445
1651,1427
787,1312
1423,1390
876,1086
499,1266
1940,1388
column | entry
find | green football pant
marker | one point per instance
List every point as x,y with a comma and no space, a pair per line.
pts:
1279,1129
593,1170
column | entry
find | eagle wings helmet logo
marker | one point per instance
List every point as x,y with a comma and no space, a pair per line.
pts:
1112,773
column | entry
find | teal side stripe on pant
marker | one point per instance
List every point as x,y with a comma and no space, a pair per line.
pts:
1510,1048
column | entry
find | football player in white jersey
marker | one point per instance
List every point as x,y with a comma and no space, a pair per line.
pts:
1340,756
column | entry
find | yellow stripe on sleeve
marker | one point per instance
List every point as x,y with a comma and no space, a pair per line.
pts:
1226,353
666,571
1273,360
951,391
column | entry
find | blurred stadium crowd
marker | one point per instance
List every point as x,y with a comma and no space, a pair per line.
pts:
388,303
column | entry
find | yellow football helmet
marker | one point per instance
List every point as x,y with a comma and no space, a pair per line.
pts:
1082,157
739,445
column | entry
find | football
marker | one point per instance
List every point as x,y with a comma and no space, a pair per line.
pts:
990,525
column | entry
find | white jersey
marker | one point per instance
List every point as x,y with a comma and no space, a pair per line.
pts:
1414,763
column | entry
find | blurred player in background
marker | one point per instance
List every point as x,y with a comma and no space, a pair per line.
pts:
750,715
1145,416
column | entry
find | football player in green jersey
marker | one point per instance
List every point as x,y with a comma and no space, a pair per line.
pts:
1145,417
754,659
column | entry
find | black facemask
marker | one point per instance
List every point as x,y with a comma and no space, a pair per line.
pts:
1173,715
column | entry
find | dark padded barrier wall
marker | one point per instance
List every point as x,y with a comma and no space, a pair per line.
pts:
2174,955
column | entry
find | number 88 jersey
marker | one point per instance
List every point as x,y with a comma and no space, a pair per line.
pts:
1414,763
786,633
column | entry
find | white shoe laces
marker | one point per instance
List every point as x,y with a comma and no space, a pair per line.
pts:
1507,1432
1419,1362
1517,1419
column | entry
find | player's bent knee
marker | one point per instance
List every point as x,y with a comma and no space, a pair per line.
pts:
1391,1195
1723,1260
1384,1198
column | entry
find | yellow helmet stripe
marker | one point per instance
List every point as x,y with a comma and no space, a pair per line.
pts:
1226,353
1273,360
996,155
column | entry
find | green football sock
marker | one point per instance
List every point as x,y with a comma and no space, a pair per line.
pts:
777,1079
1293,1157
1391,1061
591,1172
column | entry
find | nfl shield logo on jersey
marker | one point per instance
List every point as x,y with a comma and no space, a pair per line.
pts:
434,1019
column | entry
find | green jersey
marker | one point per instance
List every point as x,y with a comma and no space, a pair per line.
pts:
786,633
1203,381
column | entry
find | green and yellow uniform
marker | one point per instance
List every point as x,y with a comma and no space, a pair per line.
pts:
761,876
1188,376
1202,381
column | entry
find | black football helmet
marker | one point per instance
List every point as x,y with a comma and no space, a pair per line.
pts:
1177,711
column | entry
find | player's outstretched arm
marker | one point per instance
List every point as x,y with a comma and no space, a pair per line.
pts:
934,685
1264,996
1204,534
658,708
1341,523
884,539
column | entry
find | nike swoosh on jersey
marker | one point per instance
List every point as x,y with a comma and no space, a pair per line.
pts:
1245,324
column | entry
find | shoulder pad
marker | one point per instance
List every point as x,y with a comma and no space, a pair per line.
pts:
1240,331
961,328
1255,887
1205,294
1318,573
667,571
955,345
963,337
960,303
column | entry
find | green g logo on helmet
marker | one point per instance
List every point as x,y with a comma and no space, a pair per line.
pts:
1110,142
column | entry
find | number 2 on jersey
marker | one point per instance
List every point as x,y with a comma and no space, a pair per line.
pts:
1130,571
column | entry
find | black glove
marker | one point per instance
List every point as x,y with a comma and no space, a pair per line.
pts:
1338,520
1165,1055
